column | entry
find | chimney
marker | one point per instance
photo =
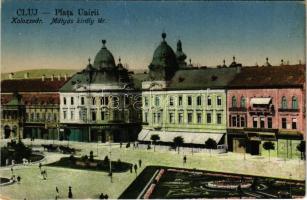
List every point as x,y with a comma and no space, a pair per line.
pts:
52,77
59,77
65,77
26,75
11,75
43,77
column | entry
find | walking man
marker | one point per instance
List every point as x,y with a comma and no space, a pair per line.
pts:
69,192
57,192
140,163
40,166
184,159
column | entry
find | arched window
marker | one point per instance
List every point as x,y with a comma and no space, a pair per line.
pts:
93,101
234,102
64,100
284,102
243,102
294,102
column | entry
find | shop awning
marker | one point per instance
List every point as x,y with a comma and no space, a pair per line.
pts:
143,134
188,137
261,101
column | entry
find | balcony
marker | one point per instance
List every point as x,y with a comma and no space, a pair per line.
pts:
288,110
238,109
261,110
259,130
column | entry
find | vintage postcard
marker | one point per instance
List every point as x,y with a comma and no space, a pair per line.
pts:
153,99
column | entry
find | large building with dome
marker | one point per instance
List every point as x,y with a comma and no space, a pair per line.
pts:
180,100
99,103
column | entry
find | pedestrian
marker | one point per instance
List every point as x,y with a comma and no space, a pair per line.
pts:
40,166
43,173
106,196
140,163
57,192
69,192
12,170
120,145
131,166
135,168
184,159
18,179
7,162
101,196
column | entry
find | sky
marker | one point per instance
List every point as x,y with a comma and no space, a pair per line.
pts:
210,31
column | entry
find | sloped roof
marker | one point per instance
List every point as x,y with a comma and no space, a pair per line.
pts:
272,76
202,78
138,79
31,85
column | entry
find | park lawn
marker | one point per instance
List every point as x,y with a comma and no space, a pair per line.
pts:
85,184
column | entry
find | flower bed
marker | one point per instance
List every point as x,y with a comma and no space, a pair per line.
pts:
100,165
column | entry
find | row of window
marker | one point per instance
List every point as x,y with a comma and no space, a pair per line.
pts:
180,119
93,115
103,100
171,101
284,102
83,115
41,117
240,121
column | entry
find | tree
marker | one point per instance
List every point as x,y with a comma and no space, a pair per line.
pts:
67,136
210,144
269,146
301,147
91,156
154,138
178,141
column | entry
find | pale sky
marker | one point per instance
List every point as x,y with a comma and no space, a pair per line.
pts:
209,31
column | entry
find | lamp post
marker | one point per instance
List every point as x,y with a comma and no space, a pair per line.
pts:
110,161
290,176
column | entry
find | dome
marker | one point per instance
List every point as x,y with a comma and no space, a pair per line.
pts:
164,55
104,58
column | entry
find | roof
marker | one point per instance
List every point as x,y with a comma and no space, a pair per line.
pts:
29,99
104,58
107,76
202,78
138,79
272,76
31,85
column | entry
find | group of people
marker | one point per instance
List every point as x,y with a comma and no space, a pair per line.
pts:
70,195
102,196
135,167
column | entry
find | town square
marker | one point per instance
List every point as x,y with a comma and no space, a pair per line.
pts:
133,103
